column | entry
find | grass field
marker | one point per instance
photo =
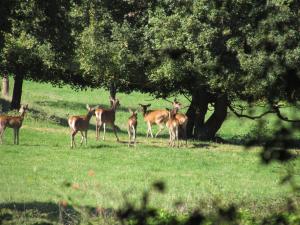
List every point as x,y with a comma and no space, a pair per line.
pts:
105,173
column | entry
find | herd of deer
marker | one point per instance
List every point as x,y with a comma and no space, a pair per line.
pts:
170,118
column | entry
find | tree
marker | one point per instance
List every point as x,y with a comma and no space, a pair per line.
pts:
223,52
109,45
5,85
38,44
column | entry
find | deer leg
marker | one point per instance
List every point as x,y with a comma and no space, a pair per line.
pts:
1,134
17,136
134,135
114,128
104,131
97,137
161,127
129,135
173,138
99,129
82,137
170,137
72,138
147,131
176,136
150,130
85,134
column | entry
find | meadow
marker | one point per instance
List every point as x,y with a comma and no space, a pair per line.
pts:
44,170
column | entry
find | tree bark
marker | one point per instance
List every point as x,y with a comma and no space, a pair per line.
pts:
5,86
213,124
17,92
113,90
197,127
196,112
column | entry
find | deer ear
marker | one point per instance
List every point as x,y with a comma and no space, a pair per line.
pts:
130,110
88,107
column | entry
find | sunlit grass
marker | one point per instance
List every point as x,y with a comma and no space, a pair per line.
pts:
106,172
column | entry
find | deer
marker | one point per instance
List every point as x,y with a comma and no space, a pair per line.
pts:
106,116
158,117
173,125
14,122
80,123
131,126
182,118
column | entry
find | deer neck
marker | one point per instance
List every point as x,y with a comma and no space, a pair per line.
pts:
145,112
89,116
22,115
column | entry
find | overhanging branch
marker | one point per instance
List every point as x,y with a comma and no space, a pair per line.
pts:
280,116
248,116
275,110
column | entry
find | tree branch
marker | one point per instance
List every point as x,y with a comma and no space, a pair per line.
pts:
280,116
187,98
276,110
248,116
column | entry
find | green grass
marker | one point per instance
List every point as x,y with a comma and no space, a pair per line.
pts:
37,169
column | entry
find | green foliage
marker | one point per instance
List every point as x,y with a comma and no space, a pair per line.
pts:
38,44
243,48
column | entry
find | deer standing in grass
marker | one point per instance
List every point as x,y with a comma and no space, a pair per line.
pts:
80,123
173,125
131,126
106,116
158,117
182,118
14,122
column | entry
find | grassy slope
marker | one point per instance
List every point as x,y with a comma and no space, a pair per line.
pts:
37,168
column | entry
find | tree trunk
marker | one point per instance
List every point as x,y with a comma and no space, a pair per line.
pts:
212,125
197,127
5,86
113,90
196,112
17,92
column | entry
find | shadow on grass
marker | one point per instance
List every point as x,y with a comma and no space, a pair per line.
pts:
246,140
200,145
74,105
100,146
48,212
41,115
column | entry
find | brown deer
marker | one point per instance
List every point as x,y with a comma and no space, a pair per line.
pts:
173,125
131,126
182,118
106,116
80,123
158,117
14,122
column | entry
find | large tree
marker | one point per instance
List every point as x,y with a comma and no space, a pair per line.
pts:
37,43
223,52
110,42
